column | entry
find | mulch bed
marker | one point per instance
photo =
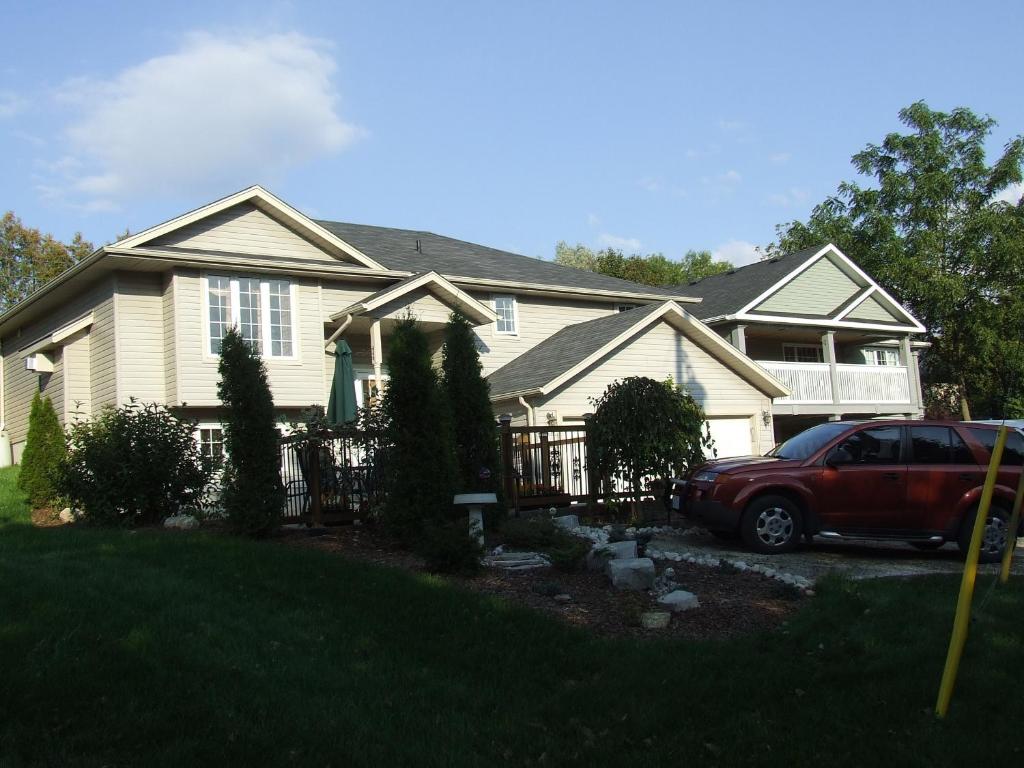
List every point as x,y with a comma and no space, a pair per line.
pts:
731,603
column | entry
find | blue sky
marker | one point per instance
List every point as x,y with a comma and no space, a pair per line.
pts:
647,126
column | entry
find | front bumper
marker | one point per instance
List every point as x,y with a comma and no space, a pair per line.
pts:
713,515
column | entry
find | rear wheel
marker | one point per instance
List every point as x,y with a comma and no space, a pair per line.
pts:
993,540
771,524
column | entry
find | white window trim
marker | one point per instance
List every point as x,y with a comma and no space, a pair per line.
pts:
789,345
515,313
890,353
236,313
359,379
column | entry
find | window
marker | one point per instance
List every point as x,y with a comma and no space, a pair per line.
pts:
1013,453
881,356
876,445
211,447
262,310
939,445
505,308
625,307
802,353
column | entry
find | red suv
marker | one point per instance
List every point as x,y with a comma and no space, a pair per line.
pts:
914,481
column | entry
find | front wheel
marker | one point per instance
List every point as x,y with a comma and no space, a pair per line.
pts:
771,524
993,540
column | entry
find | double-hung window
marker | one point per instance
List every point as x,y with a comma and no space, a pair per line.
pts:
261,309
508,320
802,353
211,447
882,356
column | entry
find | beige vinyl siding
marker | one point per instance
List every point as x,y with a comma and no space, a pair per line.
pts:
660,352
140,337
819,290
871,310
297,382
539,318
243,228
77,378
20,385
103,354
420,303
336,296
170,349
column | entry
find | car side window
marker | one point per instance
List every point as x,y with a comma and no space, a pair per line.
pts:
1013,453
938,445
875,445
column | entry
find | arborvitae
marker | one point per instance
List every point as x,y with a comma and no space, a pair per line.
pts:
251,493
420,455
44,451
473,425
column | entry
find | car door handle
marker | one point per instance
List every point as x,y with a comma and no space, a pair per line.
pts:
891,475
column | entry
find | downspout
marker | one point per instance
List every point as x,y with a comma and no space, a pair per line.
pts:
529,411
340,330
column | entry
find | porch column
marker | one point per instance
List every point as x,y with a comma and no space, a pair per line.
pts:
908,359
738,338
828,348
376,353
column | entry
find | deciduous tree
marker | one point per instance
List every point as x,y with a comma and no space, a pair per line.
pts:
30,259
651,269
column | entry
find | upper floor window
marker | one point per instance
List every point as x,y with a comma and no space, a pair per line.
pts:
882,356
625,307
802,353
262,310
505,309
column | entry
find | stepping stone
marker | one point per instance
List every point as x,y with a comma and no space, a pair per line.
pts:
679,600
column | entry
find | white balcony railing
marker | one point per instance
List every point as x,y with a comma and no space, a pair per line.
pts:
811,383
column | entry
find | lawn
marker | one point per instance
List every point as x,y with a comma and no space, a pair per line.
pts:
152,648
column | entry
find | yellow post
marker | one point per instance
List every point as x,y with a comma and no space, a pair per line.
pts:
963,605
1011,531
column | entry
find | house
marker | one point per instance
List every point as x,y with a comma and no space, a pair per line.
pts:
144,317
818,323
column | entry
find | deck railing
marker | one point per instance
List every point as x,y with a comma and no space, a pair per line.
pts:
811,383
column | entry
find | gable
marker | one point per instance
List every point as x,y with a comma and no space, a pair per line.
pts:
421,304
818,291
873,311
243,228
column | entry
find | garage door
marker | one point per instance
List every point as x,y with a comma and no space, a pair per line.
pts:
732,437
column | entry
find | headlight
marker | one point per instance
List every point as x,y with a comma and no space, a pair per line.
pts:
706,476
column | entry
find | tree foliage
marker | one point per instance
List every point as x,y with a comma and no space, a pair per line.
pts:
473,426
932,230
652,269
137,464
251,490
417,419
44,451
647,428
29,259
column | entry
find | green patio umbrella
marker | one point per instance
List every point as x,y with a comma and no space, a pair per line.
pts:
341,407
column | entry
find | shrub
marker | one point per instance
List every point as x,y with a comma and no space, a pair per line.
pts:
530,533
569,554
251,490
418,436
134,465
448,548
469,399
44,451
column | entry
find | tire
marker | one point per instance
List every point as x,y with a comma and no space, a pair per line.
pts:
927,546
771,524
994,540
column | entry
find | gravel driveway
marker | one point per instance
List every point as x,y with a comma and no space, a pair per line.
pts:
854,559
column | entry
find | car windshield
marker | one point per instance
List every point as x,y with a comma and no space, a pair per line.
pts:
800,447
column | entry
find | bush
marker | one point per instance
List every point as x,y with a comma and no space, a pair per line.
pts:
134,465
448,548
418,436
569,554
251,491
45,449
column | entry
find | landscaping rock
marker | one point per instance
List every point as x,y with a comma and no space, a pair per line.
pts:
655,619
599,556
66,515
181,522
679,600
631,573
568,522
517,561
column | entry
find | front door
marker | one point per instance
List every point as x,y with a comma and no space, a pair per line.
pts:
868,494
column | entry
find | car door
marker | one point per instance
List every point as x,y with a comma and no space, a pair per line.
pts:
941,471
867,493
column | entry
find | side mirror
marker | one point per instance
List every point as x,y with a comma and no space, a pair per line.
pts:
838,457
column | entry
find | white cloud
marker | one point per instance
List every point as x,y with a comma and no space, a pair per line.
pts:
630,244
1012,194
737,252
593,220
10,104
790,197
217,114
779,158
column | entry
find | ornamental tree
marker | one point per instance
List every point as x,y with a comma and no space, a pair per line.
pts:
646,428
44,451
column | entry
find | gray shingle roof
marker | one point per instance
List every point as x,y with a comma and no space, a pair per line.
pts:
396,249
726,293
565,349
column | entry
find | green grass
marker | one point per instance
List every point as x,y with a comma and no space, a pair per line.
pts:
124,649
